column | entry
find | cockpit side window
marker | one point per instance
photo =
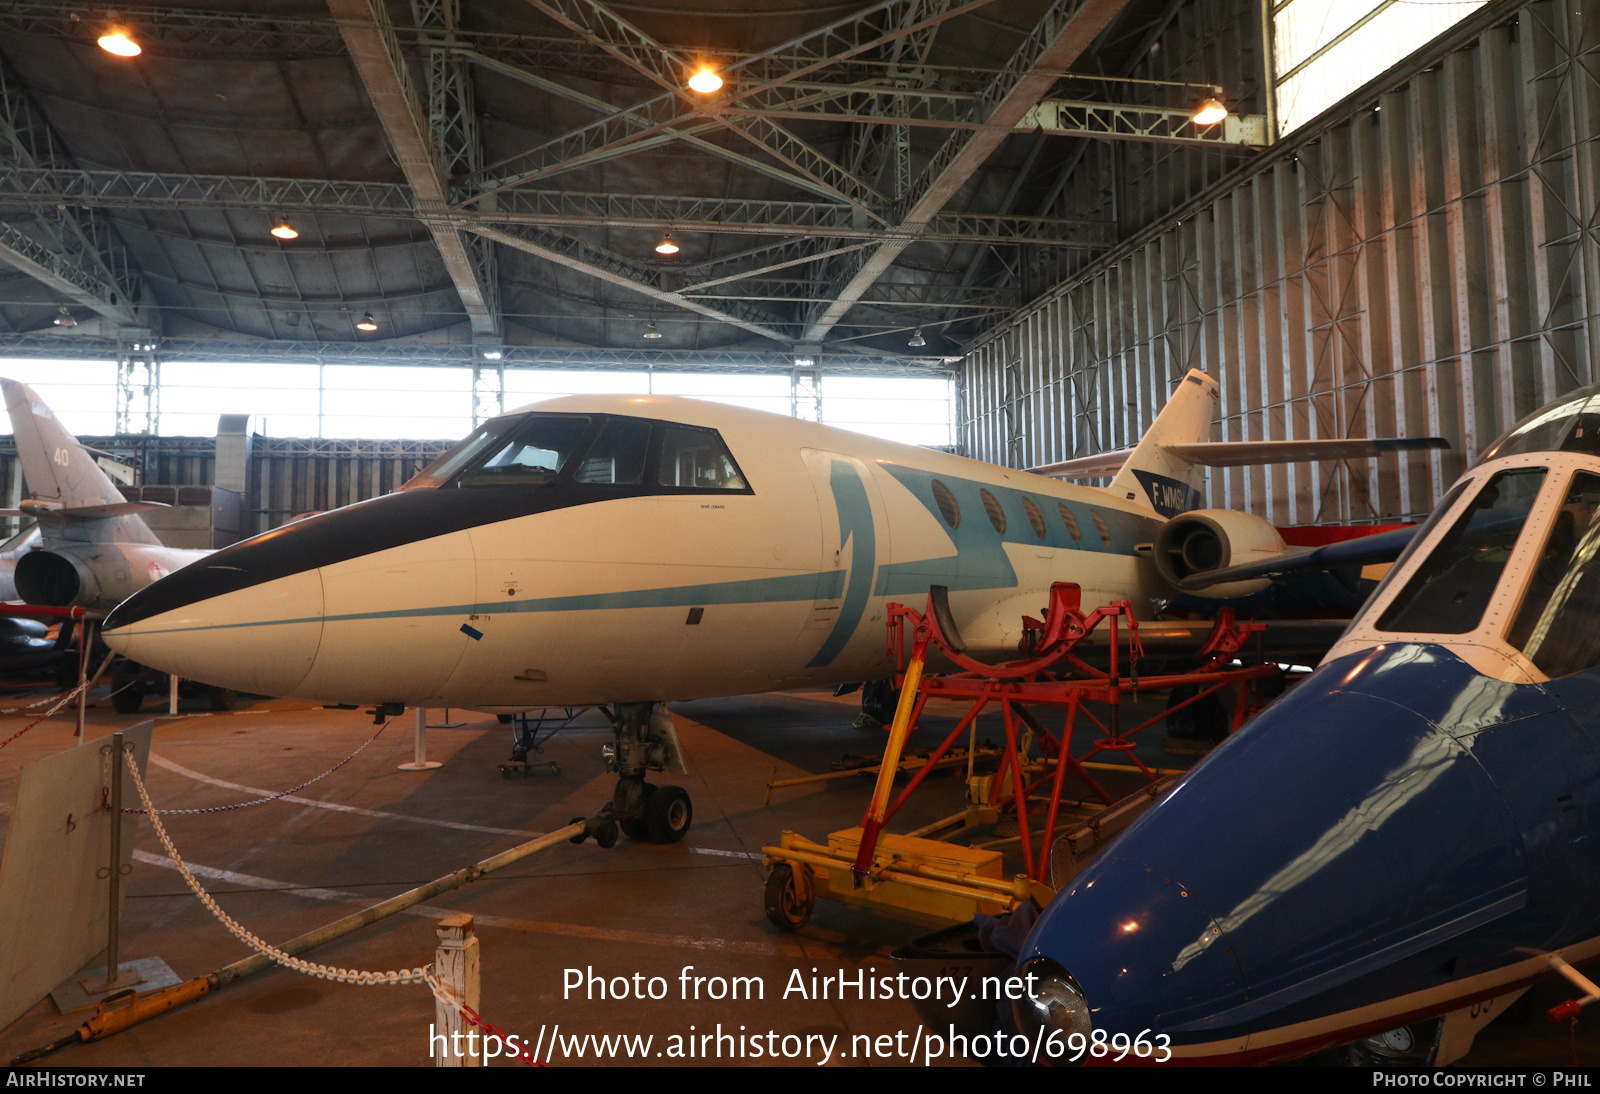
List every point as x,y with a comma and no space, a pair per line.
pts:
1557,626
536,453
1450,591
696,458
617,455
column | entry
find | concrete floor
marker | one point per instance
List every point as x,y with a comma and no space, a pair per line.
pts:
369,831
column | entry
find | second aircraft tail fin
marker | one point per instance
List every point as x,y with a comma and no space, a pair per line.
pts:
1154,473
65,484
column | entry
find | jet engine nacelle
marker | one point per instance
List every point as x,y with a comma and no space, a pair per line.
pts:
97,576
56,580
1212,539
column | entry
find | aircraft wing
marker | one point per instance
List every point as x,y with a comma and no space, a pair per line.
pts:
1383,547
1255,453
1245,454
86,512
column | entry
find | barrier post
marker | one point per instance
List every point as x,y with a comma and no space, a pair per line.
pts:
456,966
420,761
83,676
114,920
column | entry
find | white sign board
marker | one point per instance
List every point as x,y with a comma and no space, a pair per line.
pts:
55,871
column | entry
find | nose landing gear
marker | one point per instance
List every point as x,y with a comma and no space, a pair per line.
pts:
646,741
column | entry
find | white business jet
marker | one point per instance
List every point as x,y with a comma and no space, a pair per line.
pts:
627,551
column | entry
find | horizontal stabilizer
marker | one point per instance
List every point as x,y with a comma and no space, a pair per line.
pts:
1363,551
1256,453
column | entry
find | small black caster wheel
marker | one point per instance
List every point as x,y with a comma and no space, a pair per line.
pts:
789,897
581,836
555,769
667,814
607,835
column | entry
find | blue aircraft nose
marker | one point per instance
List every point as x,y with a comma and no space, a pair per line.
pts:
1341,834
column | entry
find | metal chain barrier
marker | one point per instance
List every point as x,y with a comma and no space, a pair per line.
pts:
270,797
421,975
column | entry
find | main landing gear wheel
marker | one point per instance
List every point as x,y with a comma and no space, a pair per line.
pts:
667,814
221,698
789,897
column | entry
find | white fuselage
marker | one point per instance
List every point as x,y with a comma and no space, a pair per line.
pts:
673,596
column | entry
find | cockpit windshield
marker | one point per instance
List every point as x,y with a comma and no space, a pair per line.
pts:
598,450
447,466
1450,590
535,453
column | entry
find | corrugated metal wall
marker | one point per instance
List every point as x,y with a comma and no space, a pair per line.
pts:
287,475
1422,260
1134,183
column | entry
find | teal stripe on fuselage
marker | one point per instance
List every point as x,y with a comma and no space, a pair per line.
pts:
980,561
856,529
823,585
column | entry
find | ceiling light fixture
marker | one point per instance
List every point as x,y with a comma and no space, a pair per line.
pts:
119,40
64,319
666,246
917,341
706,80
284,230
650,331
492,355
1210,112
367,323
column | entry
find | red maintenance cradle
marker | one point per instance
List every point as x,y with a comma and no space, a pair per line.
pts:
933,880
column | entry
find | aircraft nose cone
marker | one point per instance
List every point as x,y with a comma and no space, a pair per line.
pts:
261,638
1140,944
1339,833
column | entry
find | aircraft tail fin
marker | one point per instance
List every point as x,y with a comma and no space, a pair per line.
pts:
64,480
1156,474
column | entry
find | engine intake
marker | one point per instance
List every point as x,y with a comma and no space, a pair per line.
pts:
1214,539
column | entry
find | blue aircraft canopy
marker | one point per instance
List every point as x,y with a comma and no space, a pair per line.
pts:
1571,424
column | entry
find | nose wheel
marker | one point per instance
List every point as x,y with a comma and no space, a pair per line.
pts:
646,741
663,815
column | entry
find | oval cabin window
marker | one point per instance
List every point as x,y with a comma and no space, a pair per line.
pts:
1070,519
1100,526
997,515
1035,518
947,504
